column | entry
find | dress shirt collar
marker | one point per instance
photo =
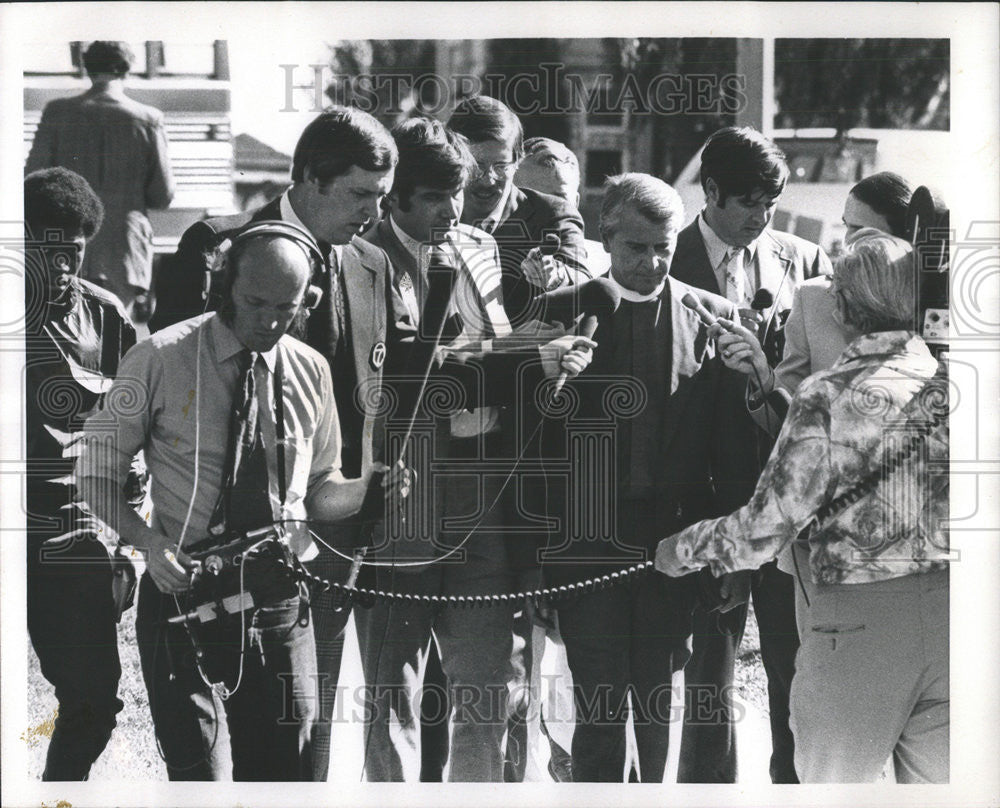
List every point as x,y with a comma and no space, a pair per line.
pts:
288,214
412,246
632,296
227,345
494,218
717,248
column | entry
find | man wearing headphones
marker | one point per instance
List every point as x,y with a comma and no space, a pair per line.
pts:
341,170
239,427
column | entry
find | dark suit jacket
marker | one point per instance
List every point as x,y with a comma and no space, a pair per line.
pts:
497,377
365,270
784,261
698,476
527,217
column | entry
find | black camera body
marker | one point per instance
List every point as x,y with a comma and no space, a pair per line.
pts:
243,571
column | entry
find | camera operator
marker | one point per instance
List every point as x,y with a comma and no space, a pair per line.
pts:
209,400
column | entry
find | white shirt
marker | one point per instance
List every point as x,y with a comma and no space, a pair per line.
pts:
633,296
718,250
289,215
492,221
183,429
415,248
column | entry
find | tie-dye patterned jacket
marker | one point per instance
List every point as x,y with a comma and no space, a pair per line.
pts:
840,426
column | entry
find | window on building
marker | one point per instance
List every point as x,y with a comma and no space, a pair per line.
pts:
602,163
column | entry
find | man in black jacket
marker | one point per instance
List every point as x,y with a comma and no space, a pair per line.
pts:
646,441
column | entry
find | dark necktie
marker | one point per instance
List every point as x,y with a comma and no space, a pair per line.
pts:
244,502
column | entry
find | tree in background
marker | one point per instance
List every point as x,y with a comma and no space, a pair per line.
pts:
872,83
675,137
386,77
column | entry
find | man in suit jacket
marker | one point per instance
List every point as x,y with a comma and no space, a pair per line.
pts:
654,434
728,251
815,337
120,147
341,170
517,218
423,237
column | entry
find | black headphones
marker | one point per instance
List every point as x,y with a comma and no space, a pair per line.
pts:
225,270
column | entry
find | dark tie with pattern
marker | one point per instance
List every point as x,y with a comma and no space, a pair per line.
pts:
244,502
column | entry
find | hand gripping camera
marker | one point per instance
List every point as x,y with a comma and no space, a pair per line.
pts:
245,571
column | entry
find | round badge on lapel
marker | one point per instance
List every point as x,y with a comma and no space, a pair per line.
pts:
377,357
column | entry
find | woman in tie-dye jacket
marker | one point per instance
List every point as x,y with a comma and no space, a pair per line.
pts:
871,677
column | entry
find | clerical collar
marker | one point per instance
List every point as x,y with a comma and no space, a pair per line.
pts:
632,296
716,247
288,214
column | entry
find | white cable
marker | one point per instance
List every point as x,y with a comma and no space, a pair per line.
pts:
465,538
197,449
197,430
219,687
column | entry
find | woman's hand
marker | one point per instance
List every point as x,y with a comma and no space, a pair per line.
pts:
672,559
740,349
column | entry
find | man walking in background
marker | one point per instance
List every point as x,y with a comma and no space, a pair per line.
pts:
120,147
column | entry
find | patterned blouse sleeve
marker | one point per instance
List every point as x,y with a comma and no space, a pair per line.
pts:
797,480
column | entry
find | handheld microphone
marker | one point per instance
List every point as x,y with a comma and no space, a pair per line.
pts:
753,318
594,298
762,300
693,303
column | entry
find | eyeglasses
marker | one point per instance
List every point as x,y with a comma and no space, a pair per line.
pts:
499,170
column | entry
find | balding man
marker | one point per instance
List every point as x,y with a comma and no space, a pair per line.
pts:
549,167
240,432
